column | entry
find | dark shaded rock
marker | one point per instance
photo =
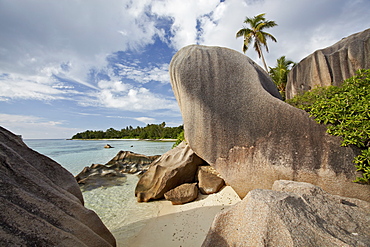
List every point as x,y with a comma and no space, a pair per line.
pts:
40,202
182,194
296,214
129,162
209,182
108,146
331,65
249,136
177,166
98,175
112,174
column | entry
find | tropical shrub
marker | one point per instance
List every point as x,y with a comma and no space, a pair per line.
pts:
346,112
180,138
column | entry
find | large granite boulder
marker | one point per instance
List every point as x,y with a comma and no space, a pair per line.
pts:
331,65
41,203
182,194
249,136
176,167
294,214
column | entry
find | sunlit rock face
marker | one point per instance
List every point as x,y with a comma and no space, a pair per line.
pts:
41,203
330,66
292,214
235,121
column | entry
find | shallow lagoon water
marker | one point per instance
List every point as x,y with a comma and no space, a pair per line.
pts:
117,205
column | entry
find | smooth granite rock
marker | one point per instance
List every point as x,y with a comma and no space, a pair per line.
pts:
41,203
249,136
331,65
177,166
209,182
182,194
295,214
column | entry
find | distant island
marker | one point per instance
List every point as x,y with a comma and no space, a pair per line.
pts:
151,131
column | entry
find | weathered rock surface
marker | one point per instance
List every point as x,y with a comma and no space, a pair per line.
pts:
129,162
41,203
209,182
249,136
331,65
113,173
182,194
296,214
98,175
176,167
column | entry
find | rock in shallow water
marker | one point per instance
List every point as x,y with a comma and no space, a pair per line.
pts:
292,214
40,202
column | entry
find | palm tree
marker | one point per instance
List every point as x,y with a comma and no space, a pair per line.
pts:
255,32
279,74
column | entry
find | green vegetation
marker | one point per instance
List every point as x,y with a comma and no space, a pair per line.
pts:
346,111
255,32
151,131
180,138
279,74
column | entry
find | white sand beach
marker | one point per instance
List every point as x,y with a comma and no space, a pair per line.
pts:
176,225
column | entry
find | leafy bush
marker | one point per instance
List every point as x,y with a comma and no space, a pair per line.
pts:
180,138
346,111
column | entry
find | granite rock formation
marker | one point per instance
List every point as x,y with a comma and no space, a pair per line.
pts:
331,65
249,136
294,214
209,182
130,162
98,175
41,203
184,193
176,167
113,173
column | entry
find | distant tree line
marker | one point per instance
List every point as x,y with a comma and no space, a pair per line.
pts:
151,131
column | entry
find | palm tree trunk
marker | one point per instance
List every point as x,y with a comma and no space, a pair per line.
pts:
263,61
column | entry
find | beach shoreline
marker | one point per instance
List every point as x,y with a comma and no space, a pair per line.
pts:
160,140
176,225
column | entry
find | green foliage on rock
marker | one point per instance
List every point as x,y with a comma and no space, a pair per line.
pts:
346,111
180,138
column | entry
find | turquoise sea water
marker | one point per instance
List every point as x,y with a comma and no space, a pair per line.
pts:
74,155
117,205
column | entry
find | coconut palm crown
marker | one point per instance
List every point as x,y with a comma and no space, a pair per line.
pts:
255,32
279,74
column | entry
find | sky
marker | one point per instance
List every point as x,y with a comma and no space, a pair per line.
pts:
75,65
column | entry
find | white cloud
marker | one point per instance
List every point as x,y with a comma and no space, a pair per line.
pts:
34,127
42,37
32,87
184,15
144,75
146,120
134,99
